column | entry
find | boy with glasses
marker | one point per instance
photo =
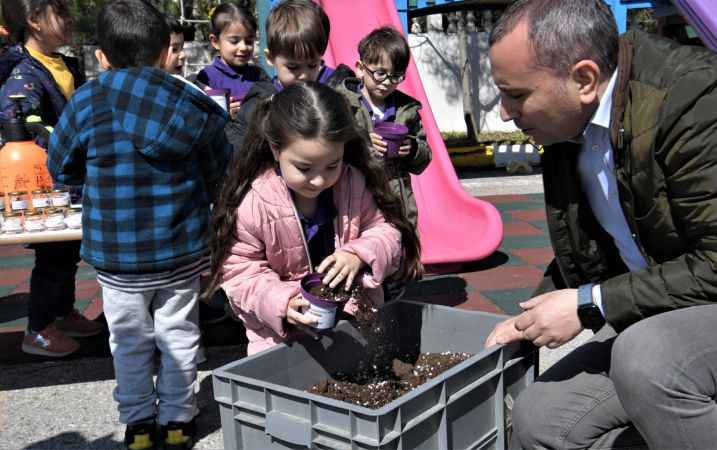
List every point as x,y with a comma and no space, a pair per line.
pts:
374,98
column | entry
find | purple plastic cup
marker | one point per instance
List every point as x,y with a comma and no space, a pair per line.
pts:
394,134
221,96
324,309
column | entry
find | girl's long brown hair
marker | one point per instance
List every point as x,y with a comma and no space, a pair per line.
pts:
310,111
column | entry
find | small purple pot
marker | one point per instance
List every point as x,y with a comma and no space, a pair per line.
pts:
394,134
221,96
325,310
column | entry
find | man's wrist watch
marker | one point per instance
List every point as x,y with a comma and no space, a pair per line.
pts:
588,312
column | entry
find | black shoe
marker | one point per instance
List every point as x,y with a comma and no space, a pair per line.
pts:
179,435
141,435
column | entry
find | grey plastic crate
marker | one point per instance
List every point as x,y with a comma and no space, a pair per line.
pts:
263,403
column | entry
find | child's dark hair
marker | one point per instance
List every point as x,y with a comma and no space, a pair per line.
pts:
385,41
173,24
297,29
307,110
132,33
227,13
16,13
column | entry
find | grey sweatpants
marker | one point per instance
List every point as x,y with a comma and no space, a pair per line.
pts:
652,385
139,323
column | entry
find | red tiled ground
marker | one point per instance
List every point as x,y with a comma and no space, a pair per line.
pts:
529,215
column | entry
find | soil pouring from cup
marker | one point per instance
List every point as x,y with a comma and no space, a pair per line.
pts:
323,308
394,134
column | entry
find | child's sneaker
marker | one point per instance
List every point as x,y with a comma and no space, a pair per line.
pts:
76,325
179,435
141,435
49,342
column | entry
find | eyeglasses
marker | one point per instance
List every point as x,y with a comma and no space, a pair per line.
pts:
380,75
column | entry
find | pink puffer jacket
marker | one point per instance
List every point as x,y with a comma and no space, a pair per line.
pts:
267,262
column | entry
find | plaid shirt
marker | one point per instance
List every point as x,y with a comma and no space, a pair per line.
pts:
150,150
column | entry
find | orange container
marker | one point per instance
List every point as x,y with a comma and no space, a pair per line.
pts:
23,167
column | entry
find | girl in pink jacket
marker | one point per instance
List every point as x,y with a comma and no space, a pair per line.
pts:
304,195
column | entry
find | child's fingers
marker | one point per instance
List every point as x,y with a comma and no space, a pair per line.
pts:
340,275
404,150
350,279
329,260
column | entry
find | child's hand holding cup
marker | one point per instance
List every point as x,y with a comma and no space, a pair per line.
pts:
234,105
394,137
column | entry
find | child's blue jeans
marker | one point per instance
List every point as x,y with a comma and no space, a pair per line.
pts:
166,319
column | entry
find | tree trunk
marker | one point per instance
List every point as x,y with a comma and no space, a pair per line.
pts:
464,27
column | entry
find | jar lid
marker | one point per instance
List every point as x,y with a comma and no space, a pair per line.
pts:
75,209
7,214
33,213
17,193
38,191
59,190
52,210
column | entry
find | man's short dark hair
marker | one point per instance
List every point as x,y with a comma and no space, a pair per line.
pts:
297,29
385,41
132,33
563,32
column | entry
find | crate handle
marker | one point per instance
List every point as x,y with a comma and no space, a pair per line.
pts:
288,428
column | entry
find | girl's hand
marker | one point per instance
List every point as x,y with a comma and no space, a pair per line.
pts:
344,267
234,105
294,315
378,145
405,148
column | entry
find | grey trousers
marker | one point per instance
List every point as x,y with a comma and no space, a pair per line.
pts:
139,323
651,386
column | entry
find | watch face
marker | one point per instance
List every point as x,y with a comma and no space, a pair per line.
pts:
590,317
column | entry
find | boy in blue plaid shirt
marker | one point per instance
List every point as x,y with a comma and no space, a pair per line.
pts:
150,150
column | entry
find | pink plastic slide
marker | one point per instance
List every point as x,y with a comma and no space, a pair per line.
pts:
454,227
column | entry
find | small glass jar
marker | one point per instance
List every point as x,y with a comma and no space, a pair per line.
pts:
73,218
2,202
34,221
54,219
12,222
18,201
40,199
60,198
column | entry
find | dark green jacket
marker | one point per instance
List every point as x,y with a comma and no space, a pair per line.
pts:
664,136
399,169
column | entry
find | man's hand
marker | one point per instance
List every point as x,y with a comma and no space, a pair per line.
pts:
504,333
550,319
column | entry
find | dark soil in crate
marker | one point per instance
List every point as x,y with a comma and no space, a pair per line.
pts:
385,374
372,391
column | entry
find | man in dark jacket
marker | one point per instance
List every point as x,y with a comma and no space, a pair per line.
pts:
630,169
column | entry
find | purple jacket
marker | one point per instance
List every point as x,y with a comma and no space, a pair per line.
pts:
238,81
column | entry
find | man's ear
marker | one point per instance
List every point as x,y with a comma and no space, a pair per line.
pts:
586,78
359,69
268,57
102,60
